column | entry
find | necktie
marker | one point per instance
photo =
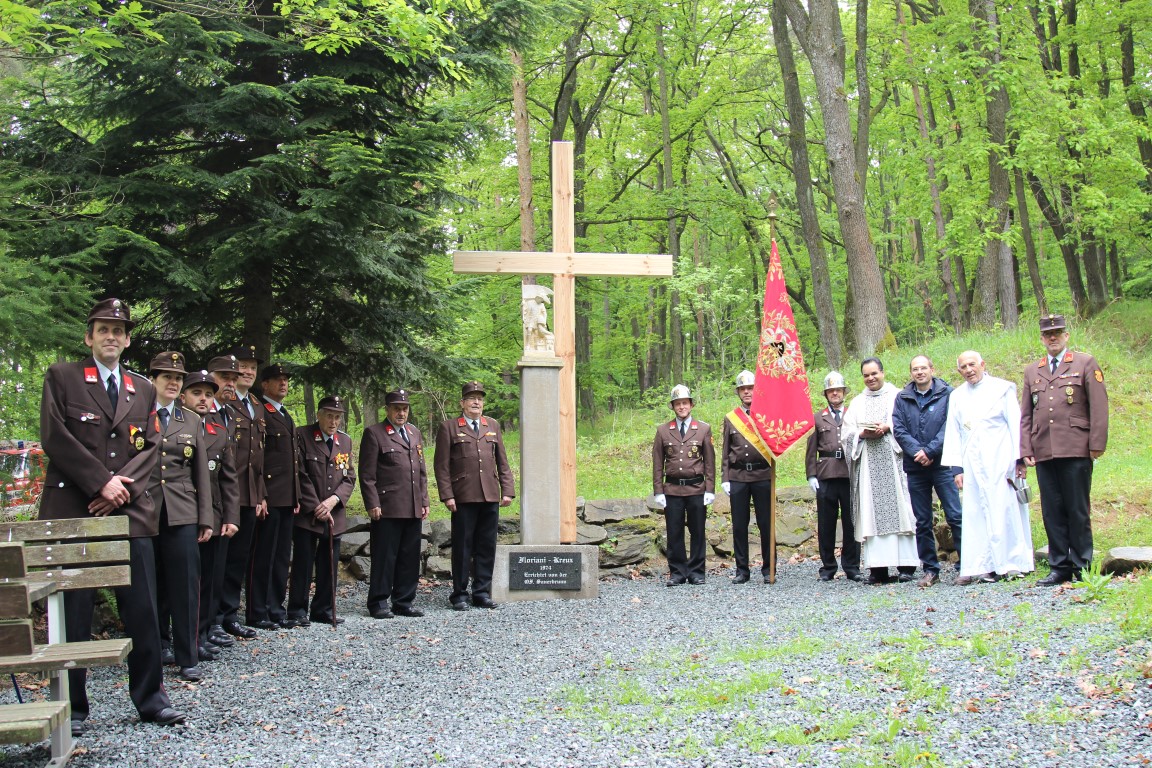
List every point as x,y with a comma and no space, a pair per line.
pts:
329,442
248,407
476,426
163,413
113,390
1052,365
683,428
836,413
404,436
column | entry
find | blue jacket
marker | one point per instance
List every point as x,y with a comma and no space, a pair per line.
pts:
918,423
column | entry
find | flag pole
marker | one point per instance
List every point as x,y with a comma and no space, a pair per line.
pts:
772,503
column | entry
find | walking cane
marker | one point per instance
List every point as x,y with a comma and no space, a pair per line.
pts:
334,565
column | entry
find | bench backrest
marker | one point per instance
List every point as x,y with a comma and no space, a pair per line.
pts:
77,553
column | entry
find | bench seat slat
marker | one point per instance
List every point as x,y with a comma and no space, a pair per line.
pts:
85,554
31,722
47,658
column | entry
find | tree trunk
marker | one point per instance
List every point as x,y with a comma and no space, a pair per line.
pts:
666,186
523,158
1093,255
1114,264
863,99
805,204
822,40
1132,92
1029,244
1067,249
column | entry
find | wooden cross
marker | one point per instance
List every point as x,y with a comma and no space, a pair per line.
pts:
564,264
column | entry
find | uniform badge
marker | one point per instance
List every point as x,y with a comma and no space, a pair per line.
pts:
694,451
1099,376
187,451
211,465
90,376
1035,399
139,443
128,385
318,437
420,450
1068,390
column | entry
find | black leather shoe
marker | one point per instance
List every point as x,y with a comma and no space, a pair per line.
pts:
767,579
988,578
483,602
1053,580
826,577
211,647
167,658
302,622
459,605
168,716
287,624
384,613
233,628
407,610
77,728
676,582
904,578
189,674
854,576
327,620
263,624
695,580
204,654
740,578
217,636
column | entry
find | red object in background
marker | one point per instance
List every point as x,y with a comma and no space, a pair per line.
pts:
781,403
21,474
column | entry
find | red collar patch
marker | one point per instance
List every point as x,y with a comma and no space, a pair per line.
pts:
128,385
270,408
1068,357
90,376
209,427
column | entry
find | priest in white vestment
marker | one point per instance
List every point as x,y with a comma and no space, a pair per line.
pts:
881,507
982,435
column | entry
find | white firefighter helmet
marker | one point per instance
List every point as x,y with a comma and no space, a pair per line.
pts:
680,392
834,380
745,379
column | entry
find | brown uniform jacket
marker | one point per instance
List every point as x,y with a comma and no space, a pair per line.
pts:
281,458
676,458
825,438
472,468
1063,415
737,454
324,473
220,445
249,447
87,443
181,480
392,472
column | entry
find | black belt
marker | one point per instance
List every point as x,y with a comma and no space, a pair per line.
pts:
752,466
684,481
830,454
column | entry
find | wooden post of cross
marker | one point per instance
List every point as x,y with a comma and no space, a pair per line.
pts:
565,265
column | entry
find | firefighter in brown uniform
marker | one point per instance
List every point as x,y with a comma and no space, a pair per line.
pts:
746,471
827,471
181,485
683,482
272,549
95,419
474,481
1063,430
235,373
394,484
326,482
218,433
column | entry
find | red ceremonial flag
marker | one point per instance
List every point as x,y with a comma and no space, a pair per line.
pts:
781,405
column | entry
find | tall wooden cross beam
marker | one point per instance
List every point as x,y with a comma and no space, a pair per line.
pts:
565,265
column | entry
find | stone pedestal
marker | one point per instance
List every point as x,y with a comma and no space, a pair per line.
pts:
528,570
540,450
503,579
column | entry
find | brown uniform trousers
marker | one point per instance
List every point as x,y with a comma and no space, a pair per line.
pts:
237,551
324,471
87,442
824,460
393,477
684,469
472,468
181,484
750,477
1063,417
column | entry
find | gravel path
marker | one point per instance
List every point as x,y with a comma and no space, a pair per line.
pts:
799,673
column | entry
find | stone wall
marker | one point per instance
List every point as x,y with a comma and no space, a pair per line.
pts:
631,536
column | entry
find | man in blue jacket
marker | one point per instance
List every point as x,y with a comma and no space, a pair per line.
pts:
918,421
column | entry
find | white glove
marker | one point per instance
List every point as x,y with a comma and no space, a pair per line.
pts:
727,488
709,498
814,484
661,500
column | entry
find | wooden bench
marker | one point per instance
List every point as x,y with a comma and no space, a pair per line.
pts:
43,559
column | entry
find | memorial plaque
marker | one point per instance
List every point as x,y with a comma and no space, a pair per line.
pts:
544,570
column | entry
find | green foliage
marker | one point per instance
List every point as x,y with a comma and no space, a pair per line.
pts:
1094,582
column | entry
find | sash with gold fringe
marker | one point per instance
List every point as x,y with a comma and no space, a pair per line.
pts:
743,424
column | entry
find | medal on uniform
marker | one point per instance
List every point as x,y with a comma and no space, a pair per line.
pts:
140,443
187,451
1035,399
211,465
